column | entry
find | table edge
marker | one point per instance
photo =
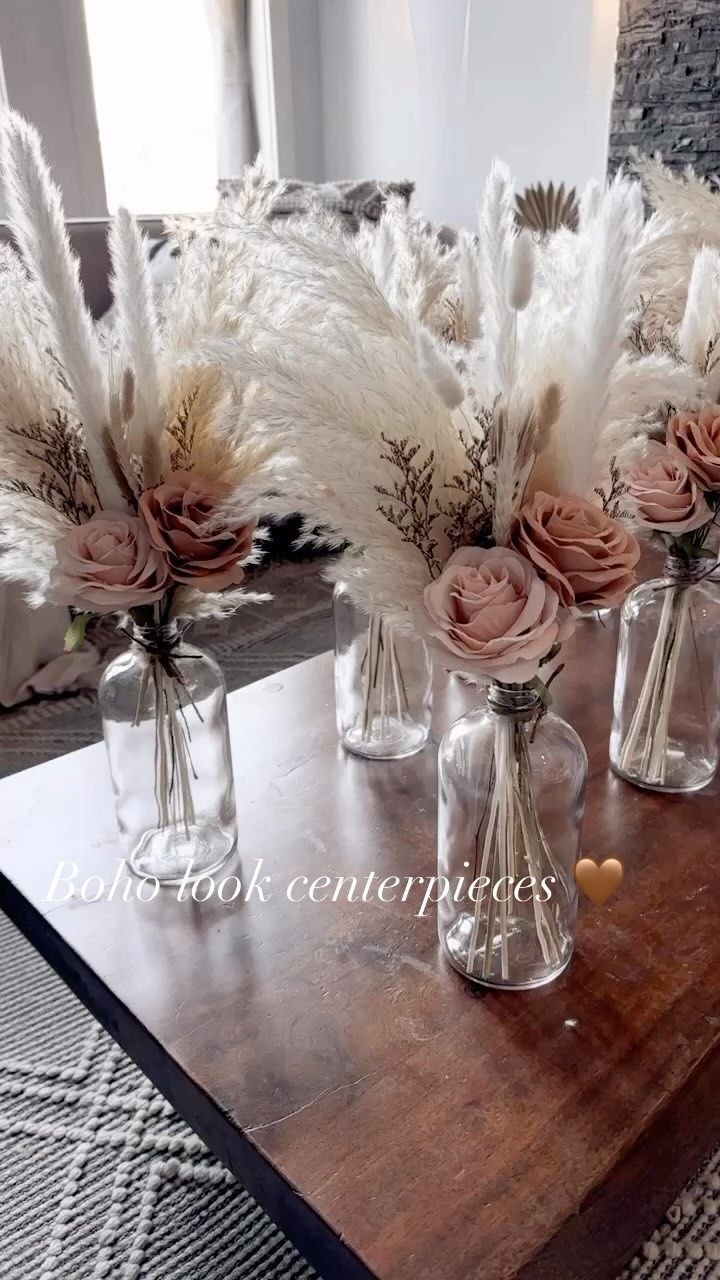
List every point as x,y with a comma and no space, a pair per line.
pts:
622,1210
315,1239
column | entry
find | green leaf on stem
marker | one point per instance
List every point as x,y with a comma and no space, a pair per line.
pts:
75,634
543,686
540,687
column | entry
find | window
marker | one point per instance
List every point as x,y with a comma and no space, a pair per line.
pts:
154,82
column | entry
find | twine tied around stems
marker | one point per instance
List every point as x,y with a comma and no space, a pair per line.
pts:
160,641
682,571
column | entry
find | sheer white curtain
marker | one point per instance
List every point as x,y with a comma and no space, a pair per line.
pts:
236,124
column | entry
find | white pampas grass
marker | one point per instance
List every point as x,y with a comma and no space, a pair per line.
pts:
641,384
438,370
407,447
682,197
434,282
507,261
700,324
384,255
30,529
609,289
496,240
687,218
136,330
469,284
589,204
340,388
35,210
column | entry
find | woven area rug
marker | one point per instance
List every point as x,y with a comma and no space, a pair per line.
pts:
99,1179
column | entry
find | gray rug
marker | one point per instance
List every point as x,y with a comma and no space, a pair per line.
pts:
99,1179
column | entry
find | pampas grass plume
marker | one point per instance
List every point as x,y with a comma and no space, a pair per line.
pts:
439,371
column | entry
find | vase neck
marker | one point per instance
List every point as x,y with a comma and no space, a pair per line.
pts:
684,570
157,638
514,700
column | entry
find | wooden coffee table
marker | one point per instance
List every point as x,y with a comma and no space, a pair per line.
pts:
396,1122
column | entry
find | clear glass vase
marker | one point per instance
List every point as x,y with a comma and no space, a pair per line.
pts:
666,707
164,713
601,615
383,683
511,799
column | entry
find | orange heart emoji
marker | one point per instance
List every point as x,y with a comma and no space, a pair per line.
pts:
599,882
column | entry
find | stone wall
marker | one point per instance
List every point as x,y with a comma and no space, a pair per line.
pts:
667,83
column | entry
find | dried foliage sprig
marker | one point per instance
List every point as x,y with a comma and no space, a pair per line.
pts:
410,502
65,480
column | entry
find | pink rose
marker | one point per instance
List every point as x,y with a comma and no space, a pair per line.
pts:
108,564
585,555
489,613
664,494
694,438
182,520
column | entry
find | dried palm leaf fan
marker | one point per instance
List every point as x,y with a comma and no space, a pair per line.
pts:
544,209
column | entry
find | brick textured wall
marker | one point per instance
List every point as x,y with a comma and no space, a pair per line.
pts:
667,83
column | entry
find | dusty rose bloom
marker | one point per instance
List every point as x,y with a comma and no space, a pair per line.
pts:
695,439
665,495
108,564
490,614
181,519
585,555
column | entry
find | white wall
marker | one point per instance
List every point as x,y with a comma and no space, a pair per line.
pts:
46,66
433,89
307,90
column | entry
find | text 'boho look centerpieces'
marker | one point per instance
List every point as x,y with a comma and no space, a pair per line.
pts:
476,487
123,491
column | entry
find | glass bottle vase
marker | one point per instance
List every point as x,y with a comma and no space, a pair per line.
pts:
164,713
666,708
383,683
511,799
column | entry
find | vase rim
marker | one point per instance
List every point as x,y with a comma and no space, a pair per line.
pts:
519,699
157,637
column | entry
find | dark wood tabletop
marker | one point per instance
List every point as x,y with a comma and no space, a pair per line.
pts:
397,1122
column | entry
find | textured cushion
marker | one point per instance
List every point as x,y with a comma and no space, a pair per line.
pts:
353,201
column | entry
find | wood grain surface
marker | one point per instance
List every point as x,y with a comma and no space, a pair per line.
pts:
397,1122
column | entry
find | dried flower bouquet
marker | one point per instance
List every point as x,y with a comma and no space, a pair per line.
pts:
126,486
671,475
476,486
